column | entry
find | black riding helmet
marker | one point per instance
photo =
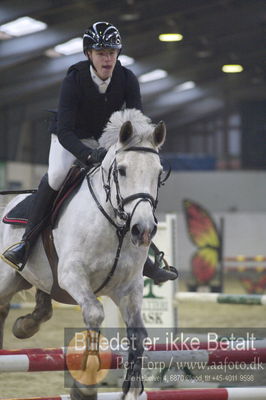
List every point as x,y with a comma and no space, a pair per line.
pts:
101,35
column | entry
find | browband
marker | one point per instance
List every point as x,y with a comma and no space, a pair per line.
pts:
139,148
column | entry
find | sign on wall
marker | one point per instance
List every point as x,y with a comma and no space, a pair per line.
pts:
158,310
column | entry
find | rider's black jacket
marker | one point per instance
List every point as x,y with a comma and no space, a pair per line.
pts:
83,111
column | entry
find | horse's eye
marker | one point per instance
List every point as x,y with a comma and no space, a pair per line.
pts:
122,171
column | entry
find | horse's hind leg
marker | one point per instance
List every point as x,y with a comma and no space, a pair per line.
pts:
27,325
10,283
4,310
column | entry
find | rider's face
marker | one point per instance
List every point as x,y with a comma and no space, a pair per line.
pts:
104,61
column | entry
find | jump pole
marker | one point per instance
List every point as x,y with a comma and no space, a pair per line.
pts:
56,305
243,393
247,299
151,359
179,345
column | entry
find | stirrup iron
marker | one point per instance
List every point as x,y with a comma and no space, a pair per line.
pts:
18,268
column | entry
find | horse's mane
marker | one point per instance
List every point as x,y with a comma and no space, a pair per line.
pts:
142,127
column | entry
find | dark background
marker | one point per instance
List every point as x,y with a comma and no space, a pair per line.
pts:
215,32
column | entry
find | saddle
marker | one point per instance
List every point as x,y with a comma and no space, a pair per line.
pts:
19,215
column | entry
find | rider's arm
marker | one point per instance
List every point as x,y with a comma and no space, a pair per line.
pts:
67,113
132,94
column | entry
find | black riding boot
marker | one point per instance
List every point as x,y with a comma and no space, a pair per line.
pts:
17,255
159,275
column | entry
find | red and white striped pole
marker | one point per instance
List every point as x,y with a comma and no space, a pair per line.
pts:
58,361
243,393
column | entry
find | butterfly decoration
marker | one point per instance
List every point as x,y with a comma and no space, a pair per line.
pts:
203,233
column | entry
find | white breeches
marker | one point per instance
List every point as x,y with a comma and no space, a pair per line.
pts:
61,160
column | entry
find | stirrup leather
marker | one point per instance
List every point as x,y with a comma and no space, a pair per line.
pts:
160,261
9,262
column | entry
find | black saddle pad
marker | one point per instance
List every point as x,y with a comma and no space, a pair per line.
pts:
19,215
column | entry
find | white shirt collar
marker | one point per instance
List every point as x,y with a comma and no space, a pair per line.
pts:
102,85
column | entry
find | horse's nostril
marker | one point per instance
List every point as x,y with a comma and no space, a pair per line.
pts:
136,230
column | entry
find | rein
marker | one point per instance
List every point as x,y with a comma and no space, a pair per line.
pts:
122,230
23,191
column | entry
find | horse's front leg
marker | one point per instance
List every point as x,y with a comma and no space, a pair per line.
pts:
130,307
75,281
133,383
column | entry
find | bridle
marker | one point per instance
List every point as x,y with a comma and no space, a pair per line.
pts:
119,209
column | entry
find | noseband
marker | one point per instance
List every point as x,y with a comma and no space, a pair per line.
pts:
119,211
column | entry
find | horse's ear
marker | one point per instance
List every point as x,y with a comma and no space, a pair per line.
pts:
126,132
159,134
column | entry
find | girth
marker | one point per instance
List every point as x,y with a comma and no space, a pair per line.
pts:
57,293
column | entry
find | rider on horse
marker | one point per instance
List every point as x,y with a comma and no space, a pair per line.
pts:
91,91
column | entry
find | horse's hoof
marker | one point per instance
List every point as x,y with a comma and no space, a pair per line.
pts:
78,393
126,386
131,395
133,385
25,327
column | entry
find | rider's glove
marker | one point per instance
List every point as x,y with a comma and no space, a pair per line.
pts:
97,155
